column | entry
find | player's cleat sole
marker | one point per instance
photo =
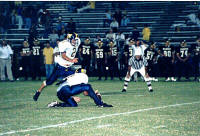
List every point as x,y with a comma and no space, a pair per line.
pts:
106,105
53,104
151,90
124,90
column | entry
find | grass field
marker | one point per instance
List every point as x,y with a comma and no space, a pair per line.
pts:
173,109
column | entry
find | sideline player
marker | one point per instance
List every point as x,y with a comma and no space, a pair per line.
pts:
137,63
67,48
74,85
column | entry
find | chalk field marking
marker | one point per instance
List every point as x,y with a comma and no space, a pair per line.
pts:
93,118
162,126
103,126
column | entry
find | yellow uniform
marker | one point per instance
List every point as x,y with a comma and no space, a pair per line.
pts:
146,32
48,53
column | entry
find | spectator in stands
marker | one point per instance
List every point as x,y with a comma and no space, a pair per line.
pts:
26,60
71,26
33,33
59,25
63,34
48,59
98,37
90,5
27,18
108,19
6,54
146,32
135,33
110,36
19,17
71,7
118,16
125,20
114,25
53,37
120,39
19,21
56,53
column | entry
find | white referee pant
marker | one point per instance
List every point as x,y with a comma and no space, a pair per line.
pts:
141,71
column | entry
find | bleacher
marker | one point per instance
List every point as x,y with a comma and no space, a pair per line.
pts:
160,16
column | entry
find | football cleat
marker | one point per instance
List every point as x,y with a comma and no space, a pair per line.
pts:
151,90
105,105
173,79
168,79
124,90
53,104
156,80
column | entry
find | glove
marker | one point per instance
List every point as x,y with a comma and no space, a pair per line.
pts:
35,97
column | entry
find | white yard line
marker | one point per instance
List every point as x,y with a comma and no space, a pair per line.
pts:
103,126
94,118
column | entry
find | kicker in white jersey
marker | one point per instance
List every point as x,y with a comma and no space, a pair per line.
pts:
69,49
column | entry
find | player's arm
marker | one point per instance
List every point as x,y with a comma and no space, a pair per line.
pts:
187,57
64,56
178,56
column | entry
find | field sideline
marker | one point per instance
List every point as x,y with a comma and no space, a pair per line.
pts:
172,110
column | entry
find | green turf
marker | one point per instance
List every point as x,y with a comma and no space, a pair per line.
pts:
18,112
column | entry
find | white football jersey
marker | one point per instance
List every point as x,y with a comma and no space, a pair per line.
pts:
69,49
75,79
139,49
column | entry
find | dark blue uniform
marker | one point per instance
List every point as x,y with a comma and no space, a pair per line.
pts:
59,71
100,55
66,92
86,52
150,55
183,66
196,59
167,66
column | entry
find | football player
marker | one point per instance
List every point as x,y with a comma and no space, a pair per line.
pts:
67,48
127,53
26,59
100,54
151,54
36,58
196,58
86,54
183,53
74,85
168,60
113,58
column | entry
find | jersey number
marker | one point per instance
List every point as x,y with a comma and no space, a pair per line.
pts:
130,52
167,53
74,52
149,56
184,53
99,54
86,51
114,52
36,52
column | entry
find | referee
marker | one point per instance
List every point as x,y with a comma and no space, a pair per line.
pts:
137,63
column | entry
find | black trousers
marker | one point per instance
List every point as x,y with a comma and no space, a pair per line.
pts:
168,68
184,69
153,69
113,68
26,65
36,67
101,68
86,65
196,66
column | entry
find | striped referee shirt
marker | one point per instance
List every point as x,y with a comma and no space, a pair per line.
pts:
137,64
